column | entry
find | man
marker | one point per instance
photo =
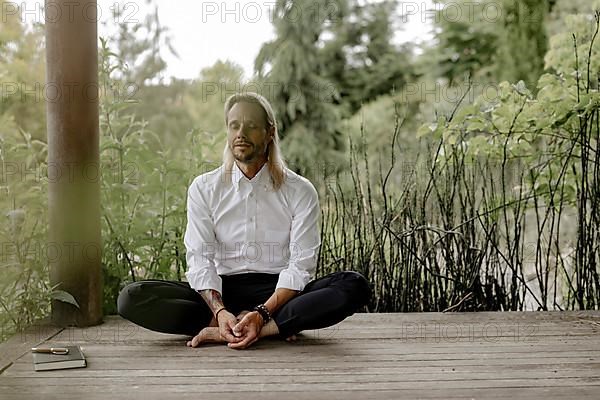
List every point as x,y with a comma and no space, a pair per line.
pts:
252,241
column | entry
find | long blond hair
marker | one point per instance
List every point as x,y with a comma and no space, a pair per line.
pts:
275,162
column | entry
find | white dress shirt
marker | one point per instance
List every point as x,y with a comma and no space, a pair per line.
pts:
236,225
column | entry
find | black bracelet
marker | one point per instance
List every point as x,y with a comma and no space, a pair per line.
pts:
217,313
264,313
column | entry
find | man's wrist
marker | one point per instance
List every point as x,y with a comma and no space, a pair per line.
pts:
263,311
217,313
261,318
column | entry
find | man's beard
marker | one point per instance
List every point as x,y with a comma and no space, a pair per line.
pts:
245,157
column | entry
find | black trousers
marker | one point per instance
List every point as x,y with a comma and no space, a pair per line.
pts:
174,307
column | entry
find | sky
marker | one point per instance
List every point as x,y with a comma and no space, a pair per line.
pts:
206,31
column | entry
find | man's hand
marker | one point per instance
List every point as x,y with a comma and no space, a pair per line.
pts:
249,327
227,321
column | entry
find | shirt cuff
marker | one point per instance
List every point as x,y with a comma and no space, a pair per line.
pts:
292,278
205,279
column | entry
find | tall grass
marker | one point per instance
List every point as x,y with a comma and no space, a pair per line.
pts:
25,292
499,211
464,233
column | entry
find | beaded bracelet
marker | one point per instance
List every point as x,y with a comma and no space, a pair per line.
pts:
264,313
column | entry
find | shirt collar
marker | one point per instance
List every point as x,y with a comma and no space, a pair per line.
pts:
262,176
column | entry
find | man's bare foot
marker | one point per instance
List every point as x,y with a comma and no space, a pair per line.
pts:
211,333
292,338
207,335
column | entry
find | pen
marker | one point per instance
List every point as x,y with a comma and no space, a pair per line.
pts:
50,350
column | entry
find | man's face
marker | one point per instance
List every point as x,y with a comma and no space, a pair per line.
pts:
247,133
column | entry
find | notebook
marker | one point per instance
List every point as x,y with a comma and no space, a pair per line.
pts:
45,362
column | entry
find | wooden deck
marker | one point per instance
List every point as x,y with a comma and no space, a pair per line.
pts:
531,355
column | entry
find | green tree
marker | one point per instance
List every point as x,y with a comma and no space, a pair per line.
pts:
24,291
292,72
576,32
139,51
206,97
464,43
204,101
489,41
362,59
560,9
522,41
140,47
22,67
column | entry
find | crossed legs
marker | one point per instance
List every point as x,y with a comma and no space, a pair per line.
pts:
173,307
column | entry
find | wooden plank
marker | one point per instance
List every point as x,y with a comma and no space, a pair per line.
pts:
302,369
490,334
353,361
385,319
147,363
169,364
116,329
128,351
293,386
371,343
487,316
580,393
44,379
254,356
19,344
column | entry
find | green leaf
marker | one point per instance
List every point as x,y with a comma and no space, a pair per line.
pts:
477,124
426,129
521,88
505,90
465,112
65,297
451,139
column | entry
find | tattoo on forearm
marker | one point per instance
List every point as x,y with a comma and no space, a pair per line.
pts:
213,299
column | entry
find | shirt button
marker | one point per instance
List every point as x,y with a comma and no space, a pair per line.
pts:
251,194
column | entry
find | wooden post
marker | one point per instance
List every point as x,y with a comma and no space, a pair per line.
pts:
73,159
